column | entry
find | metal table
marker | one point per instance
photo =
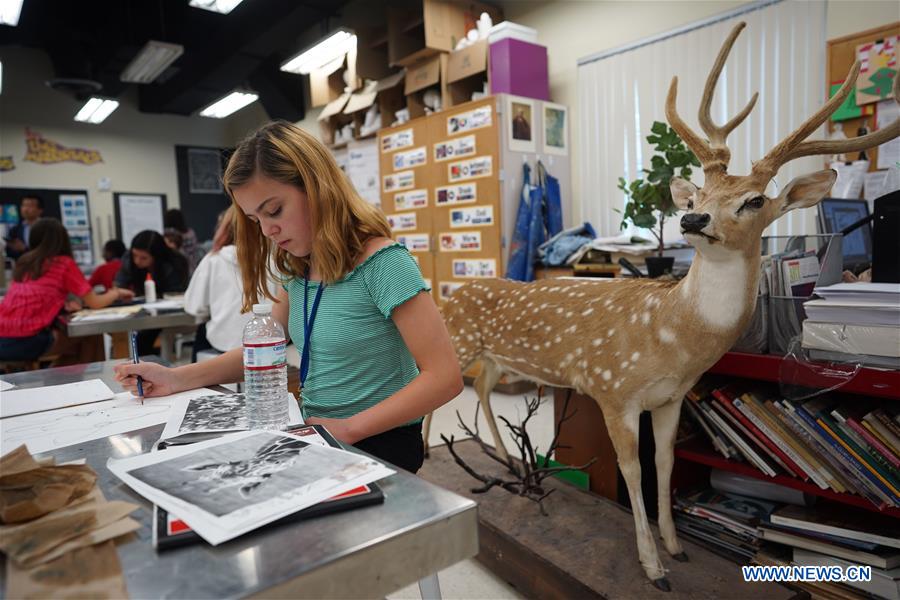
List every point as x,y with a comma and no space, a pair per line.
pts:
168,321
367,552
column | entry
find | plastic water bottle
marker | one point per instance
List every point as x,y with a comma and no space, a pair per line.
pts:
265,370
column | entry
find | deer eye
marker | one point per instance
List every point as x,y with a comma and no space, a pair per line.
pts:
755,203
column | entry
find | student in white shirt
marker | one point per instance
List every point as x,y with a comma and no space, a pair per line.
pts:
216,291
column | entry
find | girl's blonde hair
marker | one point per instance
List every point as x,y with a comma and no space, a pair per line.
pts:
342,222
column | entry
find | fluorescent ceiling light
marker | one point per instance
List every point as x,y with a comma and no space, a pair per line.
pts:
219,6
233,102
96,110
327,50
154,58
10,11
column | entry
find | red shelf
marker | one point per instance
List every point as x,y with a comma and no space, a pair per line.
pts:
696,452
765,367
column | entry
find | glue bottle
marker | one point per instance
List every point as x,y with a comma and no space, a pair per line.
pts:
149,289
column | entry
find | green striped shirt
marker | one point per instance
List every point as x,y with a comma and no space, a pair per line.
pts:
357,356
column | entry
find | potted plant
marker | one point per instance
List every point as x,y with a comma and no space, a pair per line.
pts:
649,198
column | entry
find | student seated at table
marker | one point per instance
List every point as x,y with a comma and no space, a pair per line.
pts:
216,291
176,226
379,355
105,274
42,280
168,268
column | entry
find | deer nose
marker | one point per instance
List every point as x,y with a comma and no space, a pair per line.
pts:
694,222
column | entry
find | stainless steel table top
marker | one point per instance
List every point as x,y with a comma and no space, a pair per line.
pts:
367,552
136,322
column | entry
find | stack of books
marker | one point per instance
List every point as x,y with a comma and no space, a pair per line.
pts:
825,536
726,523
849,446
855,322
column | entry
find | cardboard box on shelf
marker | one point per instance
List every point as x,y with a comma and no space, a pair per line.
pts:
430,73
327,84
420,29
467,72
372,52
332,118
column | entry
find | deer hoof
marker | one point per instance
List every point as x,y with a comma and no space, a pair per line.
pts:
662,584
681,557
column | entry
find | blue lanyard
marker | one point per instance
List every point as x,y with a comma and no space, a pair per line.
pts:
308,324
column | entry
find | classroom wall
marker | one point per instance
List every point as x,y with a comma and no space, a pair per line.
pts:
138,149
575,29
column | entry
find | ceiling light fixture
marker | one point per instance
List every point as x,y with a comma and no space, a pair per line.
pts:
233,102
220,6
10,11
96,110
333,47
154,58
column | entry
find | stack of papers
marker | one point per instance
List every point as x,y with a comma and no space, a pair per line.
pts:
855,322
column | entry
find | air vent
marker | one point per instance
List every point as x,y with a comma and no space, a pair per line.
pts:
74,86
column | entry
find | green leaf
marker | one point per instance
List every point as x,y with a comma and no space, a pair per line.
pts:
659,128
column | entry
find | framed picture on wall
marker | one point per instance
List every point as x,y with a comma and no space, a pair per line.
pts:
204,171
556,129
137,212
520,125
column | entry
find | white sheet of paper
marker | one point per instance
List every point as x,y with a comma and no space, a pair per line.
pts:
874,186
889,152
52,397
76,424
5,385
163,304
250,473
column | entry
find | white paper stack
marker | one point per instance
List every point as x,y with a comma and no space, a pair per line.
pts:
855,322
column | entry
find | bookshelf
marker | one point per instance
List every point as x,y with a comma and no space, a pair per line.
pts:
876,383
698,452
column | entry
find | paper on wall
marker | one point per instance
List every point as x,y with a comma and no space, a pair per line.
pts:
889,152
875,185
53,429
52,397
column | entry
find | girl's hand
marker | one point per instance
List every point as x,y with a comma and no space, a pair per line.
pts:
342,429
123,294
158,380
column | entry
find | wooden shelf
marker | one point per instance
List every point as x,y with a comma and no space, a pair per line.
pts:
697,452
765,367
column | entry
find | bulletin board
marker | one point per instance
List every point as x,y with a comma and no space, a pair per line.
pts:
136,212
839,59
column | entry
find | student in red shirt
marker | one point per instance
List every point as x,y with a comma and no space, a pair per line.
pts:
42,280
113,250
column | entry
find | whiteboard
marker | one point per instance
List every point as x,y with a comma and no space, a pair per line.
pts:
137,212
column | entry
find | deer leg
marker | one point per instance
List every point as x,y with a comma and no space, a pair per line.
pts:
484,383
426,429
665,425
623,431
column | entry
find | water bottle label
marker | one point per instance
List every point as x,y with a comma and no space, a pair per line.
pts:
260,357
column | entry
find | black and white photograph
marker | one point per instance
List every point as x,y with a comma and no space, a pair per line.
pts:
233,484
194,418
204,171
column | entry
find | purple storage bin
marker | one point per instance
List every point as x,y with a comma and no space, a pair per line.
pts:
519,68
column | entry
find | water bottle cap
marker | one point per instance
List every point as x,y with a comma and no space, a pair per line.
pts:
262,309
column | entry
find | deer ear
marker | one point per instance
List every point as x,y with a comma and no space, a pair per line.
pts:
807,190
683,192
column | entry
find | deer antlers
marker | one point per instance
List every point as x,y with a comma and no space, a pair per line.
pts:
713,153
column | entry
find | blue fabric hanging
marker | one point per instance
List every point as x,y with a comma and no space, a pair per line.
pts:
521,257
552,201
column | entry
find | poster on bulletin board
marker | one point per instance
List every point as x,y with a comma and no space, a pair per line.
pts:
137,212
878,67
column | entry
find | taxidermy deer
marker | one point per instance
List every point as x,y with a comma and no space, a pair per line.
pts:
637,344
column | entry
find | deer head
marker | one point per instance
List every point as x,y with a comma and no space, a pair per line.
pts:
730,212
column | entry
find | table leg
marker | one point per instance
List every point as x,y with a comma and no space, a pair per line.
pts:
167,345
430,588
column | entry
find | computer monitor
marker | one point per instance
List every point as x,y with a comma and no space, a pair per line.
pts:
836,214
